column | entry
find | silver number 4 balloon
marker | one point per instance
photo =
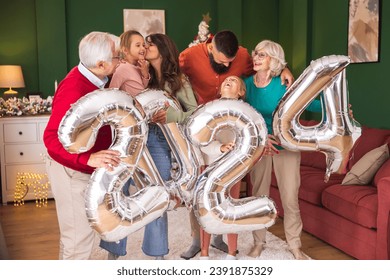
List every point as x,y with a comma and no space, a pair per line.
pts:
336,134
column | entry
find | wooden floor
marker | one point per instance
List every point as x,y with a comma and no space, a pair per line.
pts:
31,233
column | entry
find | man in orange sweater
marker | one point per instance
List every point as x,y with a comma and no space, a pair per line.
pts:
207,65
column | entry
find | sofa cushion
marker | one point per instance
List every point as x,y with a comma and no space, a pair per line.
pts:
365,169
358,204
313,159
370,139
312,183
384,171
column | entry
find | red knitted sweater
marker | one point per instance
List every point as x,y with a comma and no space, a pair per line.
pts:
72,88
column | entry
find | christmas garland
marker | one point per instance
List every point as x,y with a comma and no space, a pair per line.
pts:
24,106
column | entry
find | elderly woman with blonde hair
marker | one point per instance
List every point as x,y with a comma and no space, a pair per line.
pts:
264,91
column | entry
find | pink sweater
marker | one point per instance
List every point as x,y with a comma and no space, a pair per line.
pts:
127,77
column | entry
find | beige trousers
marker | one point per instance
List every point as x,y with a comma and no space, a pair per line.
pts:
195,227
286,166
68,188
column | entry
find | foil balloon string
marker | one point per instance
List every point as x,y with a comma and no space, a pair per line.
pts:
188,161
215,210
336,134
154,100
186,157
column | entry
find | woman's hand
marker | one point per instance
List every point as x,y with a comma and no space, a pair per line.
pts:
104,158
270,149
161,115
350,110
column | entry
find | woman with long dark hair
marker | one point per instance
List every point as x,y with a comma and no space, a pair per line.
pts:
165,74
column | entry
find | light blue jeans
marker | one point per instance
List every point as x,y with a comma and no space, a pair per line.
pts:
155,241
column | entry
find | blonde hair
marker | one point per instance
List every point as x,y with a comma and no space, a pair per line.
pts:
242,87
241,84
126,38
276,53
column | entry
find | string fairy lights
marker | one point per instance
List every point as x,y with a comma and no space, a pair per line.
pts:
37,182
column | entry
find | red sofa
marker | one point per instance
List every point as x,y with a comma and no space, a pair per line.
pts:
352,218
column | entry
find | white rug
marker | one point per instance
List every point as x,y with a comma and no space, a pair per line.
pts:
180,240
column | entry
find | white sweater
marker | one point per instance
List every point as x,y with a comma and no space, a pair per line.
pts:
212,151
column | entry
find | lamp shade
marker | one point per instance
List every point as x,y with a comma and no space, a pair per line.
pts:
11,76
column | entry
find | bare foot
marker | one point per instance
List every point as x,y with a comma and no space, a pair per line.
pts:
255,251
299,255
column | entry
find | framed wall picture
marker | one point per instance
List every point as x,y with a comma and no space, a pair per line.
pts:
363,30
144,21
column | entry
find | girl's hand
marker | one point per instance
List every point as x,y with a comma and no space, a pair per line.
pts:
144,67
227,147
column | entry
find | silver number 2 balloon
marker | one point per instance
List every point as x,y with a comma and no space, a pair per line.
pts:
216,211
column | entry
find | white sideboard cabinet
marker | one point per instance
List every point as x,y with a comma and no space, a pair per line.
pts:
22,152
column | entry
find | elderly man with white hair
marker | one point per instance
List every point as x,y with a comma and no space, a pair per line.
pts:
69,173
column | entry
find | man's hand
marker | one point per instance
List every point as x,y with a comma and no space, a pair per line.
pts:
287,77
104,158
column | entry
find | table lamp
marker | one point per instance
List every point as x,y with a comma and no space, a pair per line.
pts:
11,76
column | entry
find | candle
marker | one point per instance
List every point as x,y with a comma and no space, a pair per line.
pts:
55,85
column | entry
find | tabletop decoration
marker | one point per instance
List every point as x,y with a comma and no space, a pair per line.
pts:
25,106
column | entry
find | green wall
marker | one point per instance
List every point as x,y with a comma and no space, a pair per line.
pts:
51,43
44,39
181,18
259,22
18,39
45,36
369,92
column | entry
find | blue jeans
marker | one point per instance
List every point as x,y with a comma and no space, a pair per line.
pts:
155,241
118,248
